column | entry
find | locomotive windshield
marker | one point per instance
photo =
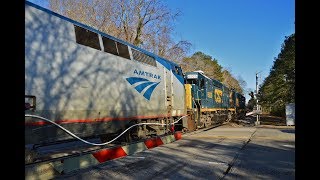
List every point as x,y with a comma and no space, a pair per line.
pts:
191,81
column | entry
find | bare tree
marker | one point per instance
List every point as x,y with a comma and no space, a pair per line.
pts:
232,82
145,23
242,83
178,51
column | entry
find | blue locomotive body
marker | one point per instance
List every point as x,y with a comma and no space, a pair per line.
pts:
210,101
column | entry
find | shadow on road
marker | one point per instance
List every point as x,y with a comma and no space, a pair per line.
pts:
189,159
288,131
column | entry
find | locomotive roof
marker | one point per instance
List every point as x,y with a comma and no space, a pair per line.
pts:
202,74
214,80
158,58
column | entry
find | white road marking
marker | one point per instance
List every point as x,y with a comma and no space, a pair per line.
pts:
223,163
288,145
136,157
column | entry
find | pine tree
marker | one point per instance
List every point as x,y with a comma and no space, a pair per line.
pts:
278,89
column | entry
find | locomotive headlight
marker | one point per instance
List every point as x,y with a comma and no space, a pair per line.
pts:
192,76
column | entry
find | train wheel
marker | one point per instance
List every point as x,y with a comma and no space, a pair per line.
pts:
229,117
207,122
185,130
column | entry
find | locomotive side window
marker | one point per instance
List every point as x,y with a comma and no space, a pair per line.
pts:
86,37
179,71
115,48
176,70
139,56
201,83
123,50
110,46
191,81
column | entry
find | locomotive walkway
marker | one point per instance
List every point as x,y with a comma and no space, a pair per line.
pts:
225,152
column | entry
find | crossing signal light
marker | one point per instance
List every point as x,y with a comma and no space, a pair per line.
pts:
251,94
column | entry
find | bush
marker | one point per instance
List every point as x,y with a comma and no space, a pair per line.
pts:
278,111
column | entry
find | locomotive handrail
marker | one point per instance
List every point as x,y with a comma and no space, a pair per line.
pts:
98,144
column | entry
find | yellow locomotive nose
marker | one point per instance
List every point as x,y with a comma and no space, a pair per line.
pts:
188,96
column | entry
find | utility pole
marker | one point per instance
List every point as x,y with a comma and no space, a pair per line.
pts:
257,106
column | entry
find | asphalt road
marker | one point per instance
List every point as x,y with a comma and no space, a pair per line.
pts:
220,153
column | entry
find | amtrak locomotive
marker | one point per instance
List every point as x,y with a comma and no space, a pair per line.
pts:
96,85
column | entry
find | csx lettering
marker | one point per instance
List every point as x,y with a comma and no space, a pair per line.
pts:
217,95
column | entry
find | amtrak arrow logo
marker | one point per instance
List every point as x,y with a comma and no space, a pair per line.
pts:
146,84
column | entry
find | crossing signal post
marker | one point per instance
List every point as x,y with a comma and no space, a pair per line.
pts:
257,105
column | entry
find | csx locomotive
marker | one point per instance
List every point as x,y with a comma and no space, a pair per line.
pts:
96,85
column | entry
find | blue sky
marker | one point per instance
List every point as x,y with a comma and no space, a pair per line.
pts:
243,35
